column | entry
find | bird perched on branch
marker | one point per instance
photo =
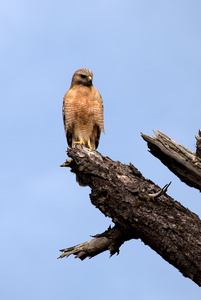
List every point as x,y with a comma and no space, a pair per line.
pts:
83,111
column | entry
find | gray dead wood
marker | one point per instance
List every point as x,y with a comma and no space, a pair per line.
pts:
110,240
198,144
181,161
120,192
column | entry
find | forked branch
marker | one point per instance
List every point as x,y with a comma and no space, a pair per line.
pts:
180,160
138,209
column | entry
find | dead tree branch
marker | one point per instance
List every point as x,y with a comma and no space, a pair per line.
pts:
138,209
181,161
198,144
110,240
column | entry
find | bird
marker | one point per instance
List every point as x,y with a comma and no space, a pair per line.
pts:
83,111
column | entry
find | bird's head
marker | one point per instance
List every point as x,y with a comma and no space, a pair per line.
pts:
82,76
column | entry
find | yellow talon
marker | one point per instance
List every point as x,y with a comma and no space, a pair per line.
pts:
83,143
89,145
80,142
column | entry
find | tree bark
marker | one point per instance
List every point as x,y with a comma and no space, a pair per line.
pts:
138,209
181,161
198,144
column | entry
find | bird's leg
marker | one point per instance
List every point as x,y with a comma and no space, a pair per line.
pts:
80,142
83,143
89,144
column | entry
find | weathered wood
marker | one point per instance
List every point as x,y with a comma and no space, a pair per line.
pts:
198,144
110,240
120,192
181,161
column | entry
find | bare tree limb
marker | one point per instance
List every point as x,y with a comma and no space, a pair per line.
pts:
120,192
110,240
198,144
180,160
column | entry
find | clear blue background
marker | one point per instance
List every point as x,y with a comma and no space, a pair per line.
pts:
146,59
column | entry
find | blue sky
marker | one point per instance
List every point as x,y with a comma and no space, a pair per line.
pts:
146,60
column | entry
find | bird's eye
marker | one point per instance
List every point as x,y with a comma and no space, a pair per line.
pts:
83,76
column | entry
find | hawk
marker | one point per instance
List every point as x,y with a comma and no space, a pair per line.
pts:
83,111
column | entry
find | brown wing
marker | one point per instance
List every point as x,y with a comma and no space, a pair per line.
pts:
97,112
67,116
98,109
96,134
